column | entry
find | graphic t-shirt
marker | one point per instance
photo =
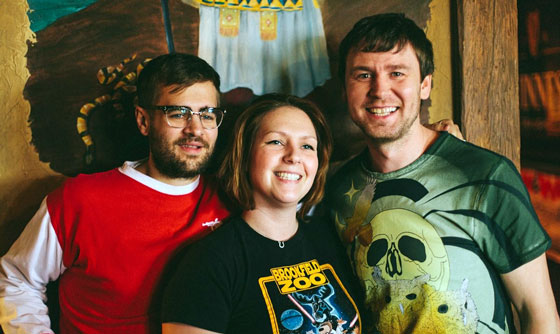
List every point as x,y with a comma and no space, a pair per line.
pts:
429,241
237,281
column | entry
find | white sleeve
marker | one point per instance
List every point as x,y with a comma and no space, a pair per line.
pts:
32,261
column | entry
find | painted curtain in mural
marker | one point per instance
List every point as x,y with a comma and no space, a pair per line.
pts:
266,46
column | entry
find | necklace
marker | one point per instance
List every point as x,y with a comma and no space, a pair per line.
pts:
281,244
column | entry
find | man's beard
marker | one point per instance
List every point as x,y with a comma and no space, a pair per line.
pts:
171,165
400,132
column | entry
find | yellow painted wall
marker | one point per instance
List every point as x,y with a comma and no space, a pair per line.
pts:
24,180
439,32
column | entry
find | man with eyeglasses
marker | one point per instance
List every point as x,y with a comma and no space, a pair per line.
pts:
109,236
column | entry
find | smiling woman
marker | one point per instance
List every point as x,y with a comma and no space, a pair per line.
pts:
251,124
284,159
266,271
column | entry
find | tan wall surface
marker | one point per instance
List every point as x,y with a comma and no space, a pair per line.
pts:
439,32
24,180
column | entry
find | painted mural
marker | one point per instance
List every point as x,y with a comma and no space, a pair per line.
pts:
80,121
87,54
42,13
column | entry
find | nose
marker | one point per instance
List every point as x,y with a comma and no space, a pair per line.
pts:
293,154
194,126
379,87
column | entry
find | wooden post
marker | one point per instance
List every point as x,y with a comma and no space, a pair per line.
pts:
488,75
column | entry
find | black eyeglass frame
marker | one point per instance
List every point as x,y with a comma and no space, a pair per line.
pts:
187,110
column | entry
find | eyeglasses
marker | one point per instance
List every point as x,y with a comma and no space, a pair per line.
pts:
179,116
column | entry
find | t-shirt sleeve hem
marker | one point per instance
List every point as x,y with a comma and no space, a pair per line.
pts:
529,256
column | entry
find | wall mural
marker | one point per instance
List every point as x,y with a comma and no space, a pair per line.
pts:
80,120
88,54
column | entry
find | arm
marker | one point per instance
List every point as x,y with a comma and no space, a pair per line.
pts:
32,261
531,294
176,328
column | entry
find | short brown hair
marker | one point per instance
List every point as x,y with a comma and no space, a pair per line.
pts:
383,32
234,171
175,69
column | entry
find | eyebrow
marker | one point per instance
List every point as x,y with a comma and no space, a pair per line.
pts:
360,68
397,67
391,67
285,134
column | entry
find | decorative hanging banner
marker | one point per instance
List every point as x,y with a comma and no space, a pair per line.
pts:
229,22
265,51
269,24
256,5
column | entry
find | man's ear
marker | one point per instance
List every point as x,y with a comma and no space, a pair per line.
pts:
426,87
142,120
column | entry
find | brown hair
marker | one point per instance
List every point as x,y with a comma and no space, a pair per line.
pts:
234,172
383,32
175,69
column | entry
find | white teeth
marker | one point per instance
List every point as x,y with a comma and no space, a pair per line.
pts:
288,176
382,111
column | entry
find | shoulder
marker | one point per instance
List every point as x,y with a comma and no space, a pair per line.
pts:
315,224
224,241
470,158
84,184
215,255
320,230
349,165
344,174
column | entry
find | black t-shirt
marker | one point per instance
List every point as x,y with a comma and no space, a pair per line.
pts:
237,281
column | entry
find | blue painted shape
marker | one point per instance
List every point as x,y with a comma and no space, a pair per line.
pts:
43,13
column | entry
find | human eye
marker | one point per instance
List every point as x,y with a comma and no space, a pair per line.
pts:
208,116
397,74
308,147
274,142
363,75
177,113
